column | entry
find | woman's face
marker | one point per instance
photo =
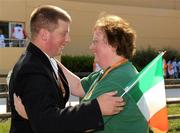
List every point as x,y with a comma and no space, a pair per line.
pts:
101,49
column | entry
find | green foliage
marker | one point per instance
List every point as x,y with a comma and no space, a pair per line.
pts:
171,53
144,56
84,63
78,63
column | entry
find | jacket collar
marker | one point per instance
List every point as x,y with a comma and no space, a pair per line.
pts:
32,48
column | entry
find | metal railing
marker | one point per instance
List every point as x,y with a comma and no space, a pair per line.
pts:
8,114
9,42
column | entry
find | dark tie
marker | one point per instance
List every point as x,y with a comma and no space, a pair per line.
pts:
63,84
58,78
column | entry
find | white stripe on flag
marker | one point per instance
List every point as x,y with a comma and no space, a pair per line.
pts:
153,100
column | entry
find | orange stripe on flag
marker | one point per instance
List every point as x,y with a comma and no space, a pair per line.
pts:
155,130
160,120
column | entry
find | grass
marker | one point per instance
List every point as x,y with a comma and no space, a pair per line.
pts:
174,125
173,109
4,126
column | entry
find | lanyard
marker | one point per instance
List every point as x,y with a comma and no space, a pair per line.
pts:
101,76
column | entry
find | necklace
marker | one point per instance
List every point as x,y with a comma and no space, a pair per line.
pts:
102,76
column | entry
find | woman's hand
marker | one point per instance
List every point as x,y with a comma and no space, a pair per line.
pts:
19,106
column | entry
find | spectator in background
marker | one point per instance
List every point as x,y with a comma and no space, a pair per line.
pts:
165,67
174,67
19,35
2,38
178,66
170,69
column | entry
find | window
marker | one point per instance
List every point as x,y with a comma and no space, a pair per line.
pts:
12,34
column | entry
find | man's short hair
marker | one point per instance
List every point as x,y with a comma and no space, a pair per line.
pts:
47,17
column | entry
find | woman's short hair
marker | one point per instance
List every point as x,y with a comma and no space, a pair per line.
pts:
118,33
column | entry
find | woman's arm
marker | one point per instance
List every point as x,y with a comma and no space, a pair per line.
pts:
73,80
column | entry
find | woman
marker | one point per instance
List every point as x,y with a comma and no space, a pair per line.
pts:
113,45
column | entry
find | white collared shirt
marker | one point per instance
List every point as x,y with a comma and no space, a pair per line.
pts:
53,64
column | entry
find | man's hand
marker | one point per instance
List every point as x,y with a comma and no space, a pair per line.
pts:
110,104
19,107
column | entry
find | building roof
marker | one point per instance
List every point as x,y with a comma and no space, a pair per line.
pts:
164,4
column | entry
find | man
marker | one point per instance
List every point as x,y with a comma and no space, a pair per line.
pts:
43,88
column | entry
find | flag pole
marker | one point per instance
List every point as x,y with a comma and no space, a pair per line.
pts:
134,83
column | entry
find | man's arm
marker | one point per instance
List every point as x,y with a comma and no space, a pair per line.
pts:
116,104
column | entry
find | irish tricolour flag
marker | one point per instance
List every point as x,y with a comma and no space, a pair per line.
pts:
148,90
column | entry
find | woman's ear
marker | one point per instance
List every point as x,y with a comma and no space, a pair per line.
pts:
114,48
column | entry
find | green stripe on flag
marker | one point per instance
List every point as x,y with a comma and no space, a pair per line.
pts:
147,78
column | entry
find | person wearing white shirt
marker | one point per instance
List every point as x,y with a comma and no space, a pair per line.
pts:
2,38
174,67
170,69
178,66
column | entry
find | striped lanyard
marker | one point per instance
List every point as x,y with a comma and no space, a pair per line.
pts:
101,76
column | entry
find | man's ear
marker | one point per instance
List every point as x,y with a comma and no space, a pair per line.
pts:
44,34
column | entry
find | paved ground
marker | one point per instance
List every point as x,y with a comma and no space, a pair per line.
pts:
170,93
173,93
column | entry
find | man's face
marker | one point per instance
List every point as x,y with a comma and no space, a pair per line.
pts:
59,38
